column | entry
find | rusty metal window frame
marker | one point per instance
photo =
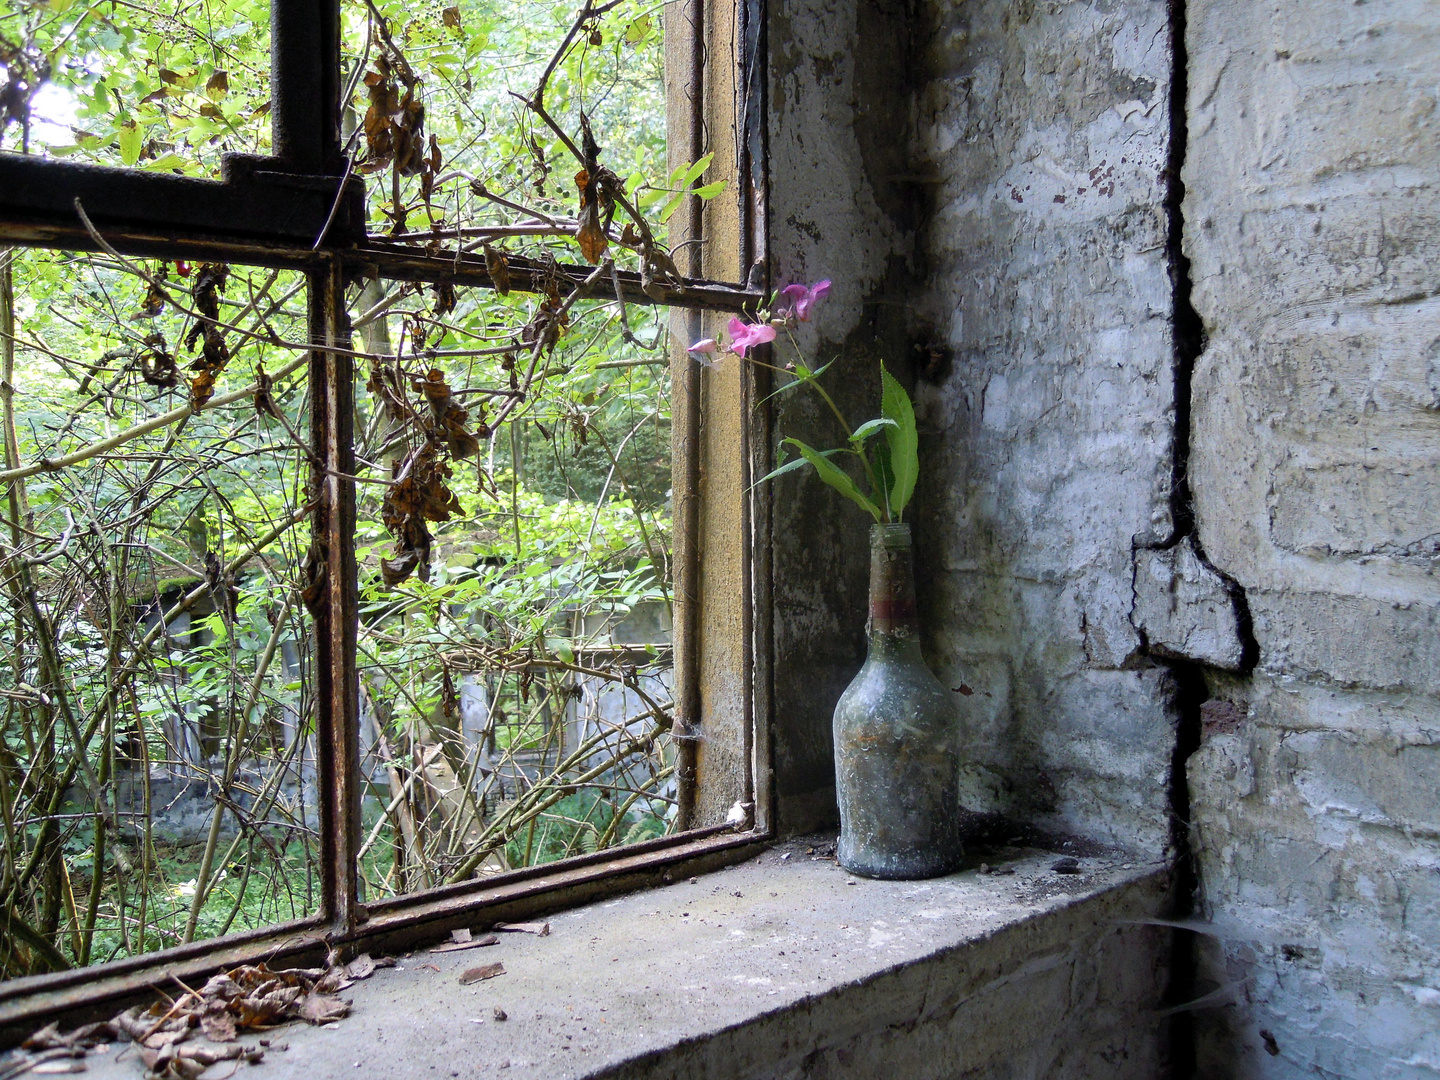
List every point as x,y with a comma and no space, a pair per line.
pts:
301,209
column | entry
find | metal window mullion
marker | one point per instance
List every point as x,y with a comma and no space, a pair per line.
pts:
305,84
752,161
686,447
333,593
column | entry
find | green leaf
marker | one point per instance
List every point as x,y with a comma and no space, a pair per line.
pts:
790,466
884,475
870,427
709,191
671,206
902,440
130,142
836,478
695,171
561,648
638,30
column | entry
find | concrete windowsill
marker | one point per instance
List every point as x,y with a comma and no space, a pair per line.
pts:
762,968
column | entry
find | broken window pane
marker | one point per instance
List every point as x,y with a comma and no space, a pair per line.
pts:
157,778
165,86
444,115
514,640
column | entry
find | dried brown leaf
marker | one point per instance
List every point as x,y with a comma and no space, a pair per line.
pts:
218,1027
157,365
264,403
165,1038
444,298
362,967
220,987
480,974
396,570
265,1006
498,267
155,298
202,389
332,982
451,17
323,1008
48,1037
589,232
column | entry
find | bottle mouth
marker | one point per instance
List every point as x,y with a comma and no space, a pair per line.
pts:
893,535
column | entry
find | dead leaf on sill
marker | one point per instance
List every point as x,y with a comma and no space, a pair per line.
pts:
458,946
362,967
540,929
480,974
323,1008
432,967
218,1028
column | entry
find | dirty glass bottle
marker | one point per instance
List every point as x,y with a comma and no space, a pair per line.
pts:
896,737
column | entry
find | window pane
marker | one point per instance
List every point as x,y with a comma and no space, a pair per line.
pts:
515,591
156,705
435,120
166,86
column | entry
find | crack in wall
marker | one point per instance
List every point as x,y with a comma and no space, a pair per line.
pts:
1190,689
1188,342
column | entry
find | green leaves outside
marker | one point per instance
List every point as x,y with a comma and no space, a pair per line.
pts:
681,185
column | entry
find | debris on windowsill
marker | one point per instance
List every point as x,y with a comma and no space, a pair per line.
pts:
1067,864
481,973
542,929
463,939
739,815
179,1038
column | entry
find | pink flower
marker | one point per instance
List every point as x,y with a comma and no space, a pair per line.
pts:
797,300
703,351
744,335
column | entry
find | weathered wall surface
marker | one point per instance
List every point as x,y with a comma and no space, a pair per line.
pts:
843,208
977,186
1000,222
1044,129
1313,219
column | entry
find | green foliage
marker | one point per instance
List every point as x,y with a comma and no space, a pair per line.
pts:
576,825
896,462
137,85
837,478
903,459
556,527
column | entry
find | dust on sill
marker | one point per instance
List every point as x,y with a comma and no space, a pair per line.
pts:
629,978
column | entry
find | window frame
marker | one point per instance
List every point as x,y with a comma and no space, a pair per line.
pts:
302,209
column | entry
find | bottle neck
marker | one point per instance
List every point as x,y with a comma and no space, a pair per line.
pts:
893,619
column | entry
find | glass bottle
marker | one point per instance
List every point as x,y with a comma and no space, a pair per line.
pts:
896,737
